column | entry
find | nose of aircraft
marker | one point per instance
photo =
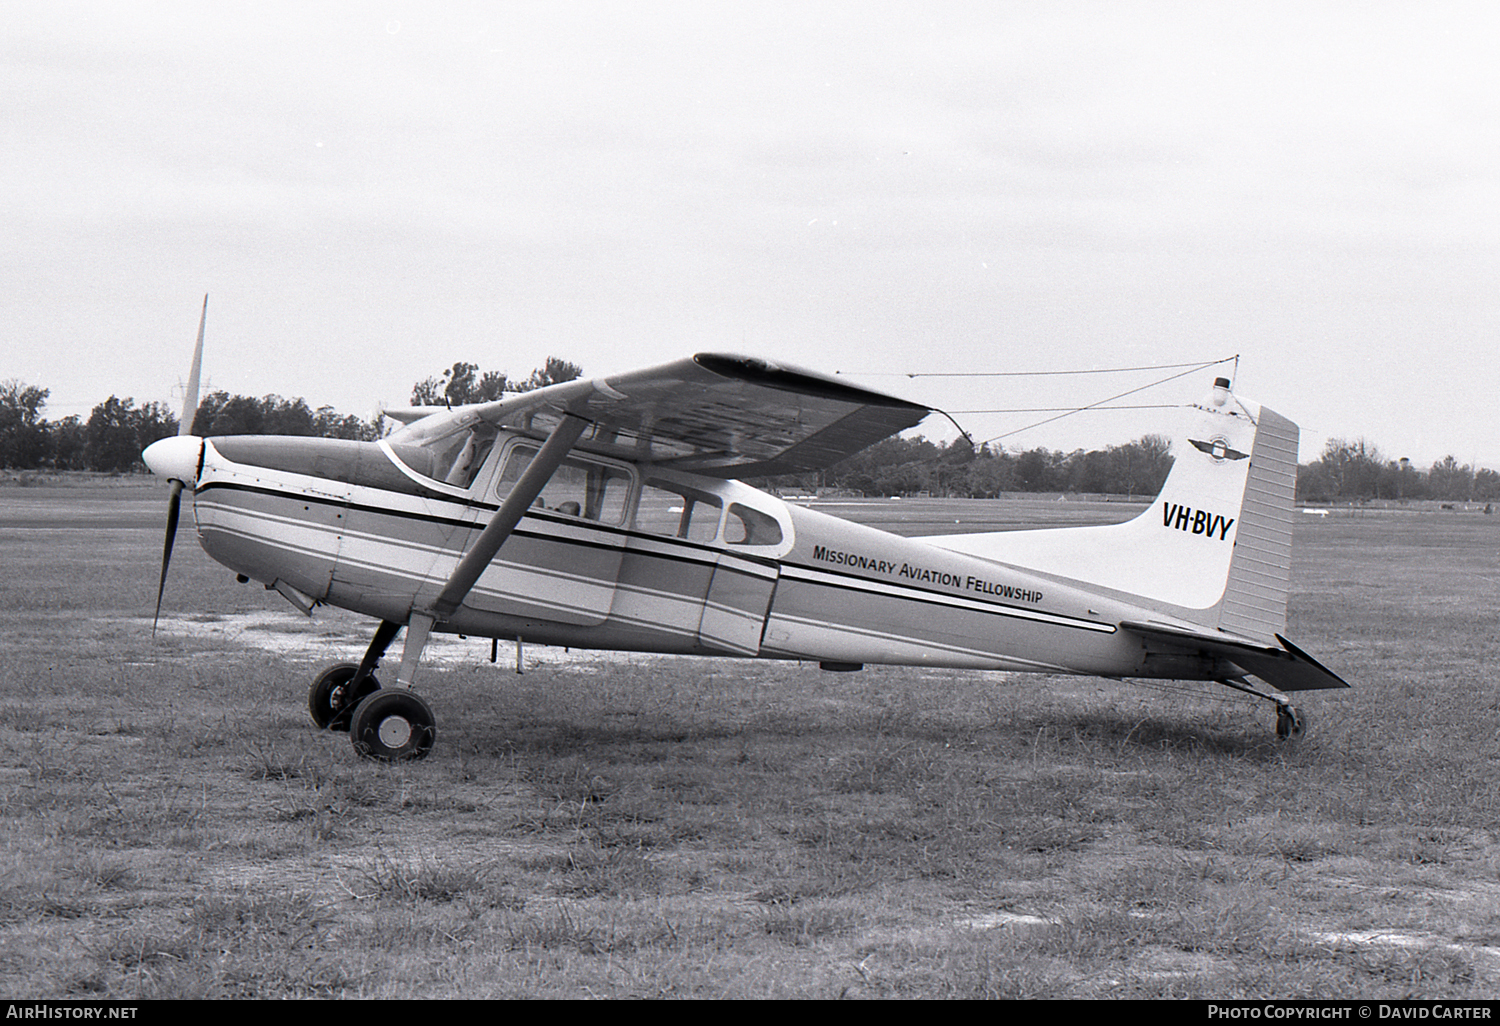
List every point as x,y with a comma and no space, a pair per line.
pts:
175,458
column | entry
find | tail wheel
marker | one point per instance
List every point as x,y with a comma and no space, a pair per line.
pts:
393,726
330,700
1290,723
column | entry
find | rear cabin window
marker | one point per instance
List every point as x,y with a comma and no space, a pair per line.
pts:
578,488
746,526
678,512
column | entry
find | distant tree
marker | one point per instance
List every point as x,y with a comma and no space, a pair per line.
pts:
897,466
950,470
1034,470
1313,483
1140,467
24,441
991,473
1087,471
490,386
117,431
1400,480
286,416
554,372
462,383
459,384
1448,480
1486,485
327,423
223,414
877,470
69,444
1350,470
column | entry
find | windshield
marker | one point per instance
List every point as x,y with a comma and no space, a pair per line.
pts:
453,459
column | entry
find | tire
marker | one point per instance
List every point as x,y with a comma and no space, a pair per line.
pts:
1291,723
329,700
393,726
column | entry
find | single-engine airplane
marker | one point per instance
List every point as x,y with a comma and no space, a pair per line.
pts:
609,513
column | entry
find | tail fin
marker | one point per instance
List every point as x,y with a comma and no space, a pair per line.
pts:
1215,545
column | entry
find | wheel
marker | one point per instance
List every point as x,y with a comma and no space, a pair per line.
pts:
393,726
1290,723
329,699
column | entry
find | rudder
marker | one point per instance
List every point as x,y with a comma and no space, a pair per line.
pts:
1255,595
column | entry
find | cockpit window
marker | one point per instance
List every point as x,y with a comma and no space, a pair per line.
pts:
578,488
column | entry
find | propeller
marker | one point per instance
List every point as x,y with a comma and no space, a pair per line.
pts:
177,459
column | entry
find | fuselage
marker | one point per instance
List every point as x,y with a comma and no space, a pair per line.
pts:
636,557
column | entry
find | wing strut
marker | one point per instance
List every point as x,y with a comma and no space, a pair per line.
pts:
533,480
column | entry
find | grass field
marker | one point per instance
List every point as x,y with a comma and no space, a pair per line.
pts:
172,826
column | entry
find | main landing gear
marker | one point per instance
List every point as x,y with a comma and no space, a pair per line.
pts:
1291,723
396,724
391,725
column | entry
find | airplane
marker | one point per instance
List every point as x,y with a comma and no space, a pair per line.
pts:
611,513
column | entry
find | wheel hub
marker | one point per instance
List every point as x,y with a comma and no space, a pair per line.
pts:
394,731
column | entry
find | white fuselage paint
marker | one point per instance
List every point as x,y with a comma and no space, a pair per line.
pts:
829,590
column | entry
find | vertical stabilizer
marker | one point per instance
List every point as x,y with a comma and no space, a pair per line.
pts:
1214,547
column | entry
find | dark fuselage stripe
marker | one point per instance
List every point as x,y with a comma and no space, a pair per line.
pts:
848,582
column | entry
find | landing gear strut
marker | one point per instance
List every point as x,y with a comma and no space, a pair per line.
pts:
1291,723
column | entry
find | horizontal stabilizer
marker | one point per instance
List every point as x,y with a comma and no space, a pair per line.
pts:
1286,668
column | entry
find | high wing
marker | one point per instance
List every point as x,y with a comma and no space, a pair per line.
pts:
713,414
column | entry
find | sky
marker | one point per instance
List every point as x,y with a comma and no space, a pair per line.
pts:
369,192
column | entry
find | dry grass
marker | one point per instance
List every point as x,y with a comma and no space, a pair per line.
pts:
172,826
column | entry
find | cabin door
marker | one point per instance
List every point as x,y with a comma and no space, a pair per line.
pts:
739,599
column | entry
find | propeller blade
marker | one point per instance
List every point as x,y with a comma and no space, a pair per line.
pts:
190,399
172,458
174,509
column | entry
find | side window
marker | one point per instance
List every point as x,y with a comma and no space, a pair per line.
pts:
746,526
677,512
578,488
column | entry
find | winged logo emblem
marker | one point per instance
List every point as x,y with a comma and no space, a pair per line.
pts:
1219,449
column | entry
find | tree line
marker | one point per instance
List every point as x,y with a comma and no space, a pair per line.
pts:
112,437
116,431
1356,471
1347,471
916,466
